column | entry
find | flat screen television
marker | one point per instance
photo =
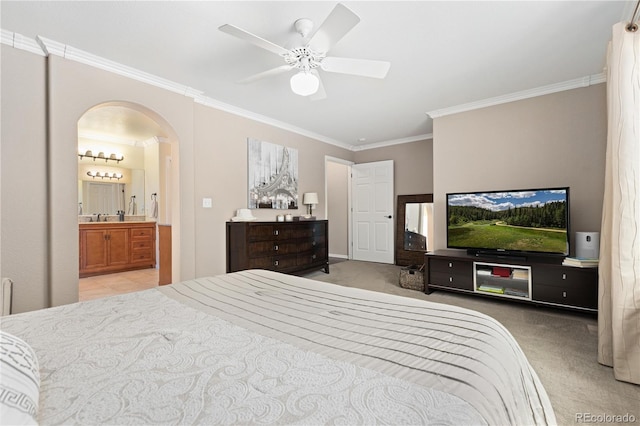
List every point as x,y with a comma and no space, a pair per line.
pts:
531,221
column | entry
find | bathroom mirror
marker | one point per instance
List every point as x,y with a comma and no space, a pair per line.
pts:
414,213
105,197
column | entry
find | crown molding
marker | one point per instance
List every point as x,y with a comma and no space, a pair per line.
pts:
43,46
213,103
52,47
21,42
525,94
393,142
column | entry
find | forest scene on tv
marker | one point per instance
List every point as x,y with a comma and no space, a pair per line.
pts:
534,221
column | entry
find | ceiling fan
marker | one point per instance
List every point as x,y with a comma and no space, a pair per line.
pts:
306,58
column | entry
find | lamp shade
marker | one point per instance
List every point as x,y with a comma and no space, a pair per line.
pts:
310,198
304,83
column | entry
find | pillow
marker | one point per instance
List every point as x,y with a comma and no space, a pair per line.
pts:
19,381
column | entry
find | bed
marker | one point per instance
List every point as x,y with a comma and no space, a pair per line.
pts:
262,347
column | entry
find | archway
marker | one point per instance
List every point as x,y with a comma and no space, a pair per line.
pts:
134,147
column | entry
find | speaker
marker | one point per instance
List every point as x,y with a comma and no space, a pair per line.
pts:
587,245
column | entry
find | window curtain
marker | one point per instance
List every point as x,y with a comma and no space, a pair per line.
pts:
619,273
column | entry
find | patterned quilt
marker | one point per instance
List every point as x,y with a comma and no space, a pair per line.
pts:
261,347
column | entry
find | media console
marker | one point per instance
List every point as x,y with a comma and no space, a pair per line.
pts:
538,280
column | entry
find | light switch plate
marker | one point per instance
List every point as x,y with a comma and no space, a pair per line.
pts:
207,203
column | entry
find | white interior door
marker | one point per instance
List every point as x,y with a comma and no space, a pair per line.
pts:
372,204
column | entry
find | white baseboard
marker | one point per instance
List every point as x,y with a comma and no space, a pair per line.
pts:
339,256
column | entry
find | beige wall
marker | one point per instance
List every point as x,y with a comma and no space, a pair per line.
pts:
23,195
548,141
553,140
208,156
221,174
73,89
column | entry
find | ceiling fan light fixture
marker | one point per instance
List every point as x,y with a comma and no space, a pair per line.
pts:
304,83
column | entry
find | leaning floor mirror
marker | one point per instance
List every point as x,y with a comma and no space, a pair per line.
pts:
413,228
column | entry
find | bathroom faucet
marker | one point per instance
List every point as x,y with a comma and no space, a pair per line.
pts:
98,217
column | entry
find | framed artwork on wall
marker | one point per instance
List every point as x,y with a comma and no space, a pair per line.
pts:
273,175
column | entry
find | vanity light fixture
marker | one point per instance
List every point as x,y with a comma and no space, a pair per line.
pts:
103,175
89,154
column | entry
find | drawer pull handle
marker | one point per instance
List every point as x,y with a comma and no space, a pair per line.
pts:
564,294
313,257
275,263
275,248
275,232
450,265
450,279
313,244
564,276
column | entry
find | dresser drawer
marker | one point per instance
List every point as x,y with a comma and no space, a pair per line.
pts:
309,245
584,298
310,230
270,248
273,263
269,232
312,257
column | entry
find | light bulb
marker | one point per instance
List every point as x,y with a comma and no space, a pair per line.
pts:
304,83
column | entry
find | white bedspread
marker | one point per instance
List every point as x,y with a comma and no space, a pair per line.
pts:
261,347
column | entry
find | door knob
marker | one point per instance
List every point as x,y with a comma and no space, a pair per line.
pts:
389,217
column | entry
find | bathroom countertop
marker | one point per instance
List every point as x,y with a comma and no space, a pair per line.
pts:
116,222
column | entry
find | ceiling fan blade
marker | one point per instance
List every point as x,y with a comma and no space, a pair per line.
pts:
361,67
253,39
268,73
339,22
320,94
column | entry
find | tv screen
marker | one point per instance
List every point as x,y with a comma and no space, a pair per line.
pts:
531,221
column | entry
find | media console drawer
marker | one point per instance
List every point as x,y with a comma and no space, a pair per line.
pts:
566,276
566,296
450,273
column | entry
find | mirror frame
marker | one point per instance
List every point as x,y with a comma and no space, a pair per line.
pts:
408,257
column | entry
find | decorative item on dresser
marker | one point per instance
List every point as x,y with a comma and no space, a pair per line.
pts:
310,199
288,247
538,280
108,247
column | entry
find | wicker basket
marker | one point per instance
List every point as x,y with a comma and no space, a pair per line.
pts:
411,277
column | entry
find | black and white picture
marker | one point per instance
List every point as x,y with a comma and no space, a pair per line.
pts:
273,176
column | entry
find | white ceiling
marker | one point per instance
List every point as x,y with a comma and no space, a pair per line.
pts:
443,54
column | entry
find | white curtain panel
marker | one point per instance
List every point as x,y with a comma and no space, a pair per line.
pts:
619,282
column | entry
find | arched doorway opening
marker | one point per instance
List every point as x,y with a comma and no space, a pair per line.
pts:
125,166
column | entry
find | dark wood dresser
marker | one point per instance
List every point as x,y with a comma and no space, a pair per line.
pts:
288,247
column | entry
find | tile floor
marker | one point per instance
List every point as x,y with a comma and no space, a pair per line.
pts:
122,282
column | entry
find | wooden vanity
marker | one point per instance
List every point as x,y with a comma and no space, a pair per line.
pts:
107,247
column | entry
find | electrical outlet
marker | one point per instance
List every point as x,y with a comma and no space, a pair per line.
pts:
207,203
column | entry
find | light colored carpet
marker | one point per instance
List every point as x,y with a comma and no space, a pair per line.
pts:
560,345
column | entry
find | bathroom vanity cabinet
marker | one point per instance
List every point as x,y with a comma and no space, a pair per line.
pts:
108,247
